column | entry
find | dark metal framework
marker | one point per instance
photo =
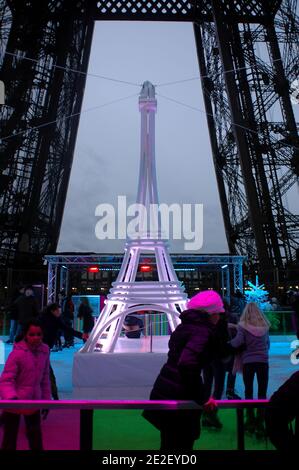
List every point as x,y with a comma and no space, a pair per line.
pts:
35,164
248,55
246,71
60,266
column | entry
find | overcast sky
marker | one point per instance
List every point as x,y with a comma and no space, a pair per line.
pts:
106,160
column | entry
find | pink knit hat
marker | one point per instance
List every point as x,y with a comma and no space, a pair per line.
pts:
208,301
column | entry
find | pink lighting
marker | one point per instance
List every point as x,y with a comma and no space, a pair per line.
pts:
124,404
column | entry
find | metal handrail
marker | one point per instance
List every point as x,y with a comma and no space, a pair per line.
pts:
87,408
127,404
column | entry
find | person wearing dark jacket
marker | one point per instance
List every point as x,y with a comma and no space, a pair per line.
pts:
238,303
133,326
12,309
253,335
214,373
25,377
85,312
191,347
232,321
67,317
295,308
51,323
26,308
282,409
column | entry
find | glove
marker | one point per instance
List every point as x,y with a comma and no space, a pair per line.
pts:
210,405
85,336
45,413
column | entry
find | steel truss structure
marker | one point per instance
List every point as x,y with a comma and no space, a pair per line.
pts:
42,48
248,56
60,266
247,69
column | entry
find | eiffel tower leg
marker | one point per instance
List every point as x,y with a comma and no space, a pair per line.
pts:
121,274
94,337
164,276
132,267
99,329
171,322
114,330
182,305
117,330
105,314
171,272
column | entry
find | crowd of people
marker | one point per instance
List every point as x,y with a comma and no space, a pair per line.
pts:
56,320
213,342
24,306
28,374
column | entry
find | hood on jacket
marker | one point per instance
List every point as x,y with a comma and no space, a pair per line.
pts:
195,316
22,345
254,330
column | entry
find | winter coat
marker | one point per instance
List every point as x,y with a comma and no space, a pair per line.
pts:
26,308
237,304
191,346
295,308
85,312
12,309
255,340
282,409
286,398
26,374
51,325
68,309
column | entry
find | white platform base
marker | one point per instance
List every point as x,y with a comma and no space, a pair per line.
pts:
127,374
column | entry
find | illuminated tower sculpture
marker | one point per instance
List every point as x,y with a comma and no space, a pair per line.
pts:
128,295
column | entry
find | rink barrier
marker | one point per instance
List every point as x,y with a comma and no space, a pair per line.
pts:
87,407
282,323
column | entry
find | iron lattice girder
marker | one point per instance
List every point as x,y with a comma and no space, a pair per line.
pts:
60,265
260,83
101,259
36,156
35,165
182,10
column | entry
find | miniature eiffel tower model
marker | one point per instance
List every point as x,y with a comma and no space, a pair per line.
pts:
128,295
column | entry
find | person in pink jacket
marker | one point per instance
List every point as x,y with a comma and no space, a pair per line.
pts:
25,377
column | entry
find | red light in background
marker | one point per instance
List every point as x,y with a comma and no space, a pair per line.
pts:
145,268
93,269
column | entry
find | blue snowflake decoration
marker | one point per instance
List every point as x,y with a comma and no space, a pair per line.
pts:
257,293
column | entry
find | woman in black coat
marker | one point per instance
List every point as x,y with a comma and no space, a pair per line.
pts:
52,323
85,312
191,347
283,408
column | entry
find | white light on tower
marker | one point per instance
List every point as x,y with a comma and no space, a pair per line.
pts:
126,295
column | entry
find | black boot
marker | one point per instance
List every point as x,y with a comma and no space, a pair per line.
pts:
210,419
249,425
232,395
260,429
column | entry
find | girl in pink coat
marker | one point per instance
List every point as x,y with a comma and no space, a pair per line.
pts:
25,377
